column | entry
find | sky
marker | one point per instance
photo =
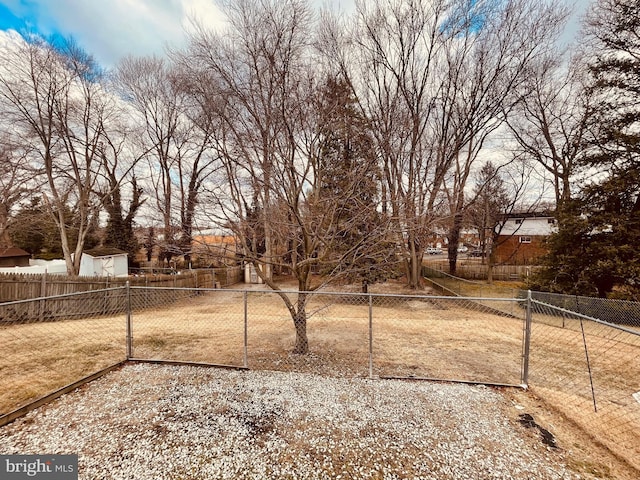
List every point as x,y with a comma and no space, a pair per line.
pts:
112,29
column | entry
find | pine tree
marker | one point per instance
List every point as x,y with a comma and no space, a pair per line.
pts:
347,184
595,249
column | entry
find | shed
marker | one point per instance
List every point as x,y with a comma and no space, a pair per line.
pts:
14,257
104,262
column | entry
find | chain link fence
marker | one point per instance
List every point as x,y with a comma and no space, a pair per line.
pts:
584,360
616,312
585,367
48,343
450,285
348,334
187,325
590,371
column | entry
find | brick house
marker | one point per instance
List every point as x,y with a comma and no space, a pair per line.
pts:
521,238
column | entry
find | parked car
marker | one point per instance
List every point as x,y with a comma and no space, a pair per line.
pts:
476,253
433,251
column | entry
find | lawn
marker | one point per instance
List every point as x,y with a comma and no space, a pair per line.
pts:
412,337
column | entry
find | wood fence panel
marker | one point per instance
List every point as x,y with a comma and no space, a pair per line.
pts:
15,287
478,271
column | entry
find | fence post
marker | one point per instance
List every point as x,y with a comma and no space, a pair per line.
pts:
370,336
105,300
43,294
129,326
246,336
527,342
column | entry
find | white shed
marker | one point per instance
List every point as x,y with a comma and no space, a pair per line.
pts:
104,262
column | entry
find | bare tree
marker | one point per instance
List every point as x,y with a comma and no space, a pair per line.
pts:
176,140
117,170
399,44
491,200
256,65
255,70
148,85
500,192
436,78
56,104
17,182
551,121
282,141
488,64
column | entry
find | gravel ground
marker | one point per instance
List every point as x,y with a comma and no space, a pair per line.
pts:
166,422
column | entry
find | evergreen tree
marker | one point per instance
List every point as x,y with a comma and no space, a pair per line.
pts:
149,243
595,250
33,230
581,260
347,185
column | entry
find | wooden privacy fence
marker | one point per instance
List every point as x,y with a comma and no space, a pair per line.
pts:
477,271
14,287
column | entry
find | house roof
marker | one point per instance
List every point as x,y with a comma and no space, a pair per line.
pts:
535,214
104,252
8,252
530,226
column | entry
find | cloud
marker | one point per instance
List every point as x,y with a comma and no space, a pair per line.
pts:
117,28
112,29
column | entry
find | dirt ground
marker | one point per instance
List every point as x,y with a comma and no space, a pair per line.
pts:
448,339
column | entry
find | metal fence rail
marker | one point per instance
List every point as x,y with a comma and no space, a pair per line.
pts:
590,371
451,285
583,366
365,335
617,312
47,343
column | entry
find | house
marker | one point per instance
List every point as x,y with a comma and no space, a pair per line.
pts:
521,238
104,262
14,257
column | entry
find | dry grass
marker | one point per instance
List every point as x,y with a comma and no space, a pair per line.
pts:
446,339
38,358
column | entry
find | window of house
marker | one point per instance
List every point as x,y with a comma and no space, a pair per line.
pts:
525,239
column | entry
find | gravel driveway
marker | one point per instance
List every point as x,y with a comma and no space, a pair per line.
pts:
167,422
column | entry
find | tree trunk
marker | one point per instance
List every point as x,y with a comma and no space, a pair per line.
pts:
491,261
452,253
300,323
415,265
454,239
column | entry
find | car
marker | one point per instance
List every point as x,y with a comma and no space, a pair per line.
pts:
476,253
433,251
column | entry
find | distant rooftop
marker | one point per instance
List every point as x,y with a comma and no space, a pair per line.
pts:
7,252
104,252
